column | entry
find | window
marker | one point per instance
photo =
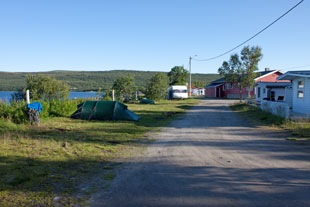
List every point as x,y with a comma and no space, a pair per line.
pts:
300,84
300,94
258,92
264,90
224,88
179,91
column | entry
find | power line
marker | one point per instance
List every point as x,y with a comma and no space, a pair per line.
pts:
252,36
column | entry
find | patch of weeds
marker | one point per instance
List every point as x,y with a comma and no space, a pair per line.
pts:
109,176
108,167
257,114
298,128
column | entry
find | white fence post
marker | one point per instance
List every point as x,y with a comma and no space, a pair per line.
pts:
113,95
27,97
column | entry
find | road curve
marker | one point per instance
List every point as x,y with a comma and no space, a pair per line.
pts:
213,157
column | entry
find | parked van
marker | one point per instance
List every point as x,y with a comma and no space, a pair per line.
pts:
178,92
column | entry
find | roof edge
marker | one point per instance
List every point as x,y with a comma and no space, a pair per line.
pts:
272,72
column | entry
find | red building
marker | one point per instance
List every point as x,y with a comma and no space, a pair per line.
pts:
222,89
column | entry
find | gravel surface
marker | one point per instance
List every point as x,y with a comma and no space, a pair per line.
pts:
213,157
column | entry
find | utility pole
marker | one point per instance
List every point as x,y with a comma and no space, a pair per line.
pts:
190,76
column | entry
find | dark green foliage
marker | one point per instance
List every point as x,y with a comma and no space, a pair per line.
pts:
89,81
178,75
104,95
156,88
46,88
250,57
234,72
124,87
242,71
198,84
15,112
59,108
63,108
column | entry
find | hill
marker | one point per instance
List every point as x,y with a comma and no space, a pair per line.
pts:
89,80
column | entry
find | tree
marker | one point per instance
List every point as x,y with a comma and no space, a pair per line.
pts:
46,88
157,86
233,72
242,71
198,84
250,58
178,75
124,87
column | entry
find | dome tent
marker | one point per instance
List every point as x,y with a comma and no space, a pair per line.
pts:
104,110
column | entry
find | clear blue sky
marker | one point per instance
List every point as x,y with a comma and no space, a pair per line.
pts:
153,35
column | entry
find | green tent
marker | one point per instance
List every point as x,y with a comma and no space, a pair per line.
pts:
146,101
104,110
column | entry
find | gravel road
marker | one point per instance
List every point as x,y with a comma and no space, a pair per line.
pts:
213,157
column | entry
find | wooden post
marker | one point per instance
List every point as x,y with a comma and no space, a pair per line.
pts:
113,95
27,97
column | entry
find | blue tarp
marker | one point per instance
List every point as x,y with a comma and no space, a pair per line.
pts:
36,106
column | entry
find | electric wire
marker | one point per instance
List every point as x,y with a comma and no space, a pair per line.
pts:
239,45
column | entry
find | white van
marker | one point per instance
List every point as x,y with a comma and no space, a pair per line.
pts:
178,92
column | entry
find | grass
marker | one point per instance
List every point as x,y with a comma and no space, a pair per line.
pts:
47,165
300,129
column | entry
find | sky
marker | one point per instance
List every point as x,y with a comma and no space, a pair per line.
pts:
148,35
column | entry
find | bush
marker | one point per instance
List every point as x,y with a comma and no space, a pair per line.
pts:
46,108
63,107
107,98
15,112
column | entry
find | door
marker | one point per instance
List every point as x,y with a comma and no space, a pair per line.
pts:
218,92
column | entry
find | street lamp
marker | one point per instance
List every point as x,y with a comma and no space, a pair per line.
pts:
190,74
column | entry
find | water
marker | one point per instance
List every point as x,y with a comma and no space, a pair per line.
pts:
74,95
6,95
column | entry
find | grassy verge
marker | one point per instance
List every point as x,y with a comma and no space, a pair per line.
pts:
44,165
300,129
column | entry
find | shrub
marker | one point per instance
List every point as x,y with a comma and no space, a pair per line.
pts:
15,112
63,107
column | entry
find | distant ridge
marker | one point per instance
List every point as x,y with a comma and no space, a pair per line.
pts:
89,80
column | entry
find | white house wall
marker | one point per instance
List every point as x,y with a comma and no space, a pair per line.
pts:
288,98
263,95
301,105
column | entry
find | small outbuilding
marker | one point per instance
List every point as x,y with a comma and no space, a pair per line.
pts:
198,91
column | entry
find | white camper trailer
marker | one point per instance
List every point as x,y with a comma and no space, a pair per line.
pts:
178,92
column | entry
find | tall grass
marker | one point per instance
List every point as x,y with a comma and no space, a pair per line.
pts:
299,128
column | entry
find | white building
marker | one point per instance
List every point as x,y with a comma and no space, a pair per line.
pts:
300,90
198,91
274,91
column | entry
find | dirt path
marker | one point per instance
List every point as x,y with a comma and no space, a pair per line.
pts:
213,157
